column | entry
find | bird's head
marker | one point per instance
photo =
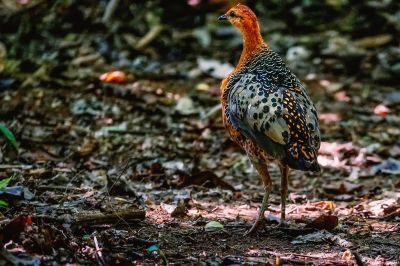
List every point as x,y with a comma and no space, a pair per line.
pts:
241,17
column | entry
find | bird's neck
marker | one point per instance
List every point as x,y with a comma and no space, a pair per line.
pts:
252,41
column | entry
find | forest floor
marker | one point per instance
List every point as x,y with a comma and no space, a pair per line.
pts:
138,152
141,171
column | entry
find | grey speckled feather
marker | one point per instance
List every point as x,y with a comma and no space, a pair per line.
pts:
267,103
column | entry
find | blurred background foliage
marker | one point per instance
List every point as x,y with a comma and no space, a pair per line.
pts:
340,37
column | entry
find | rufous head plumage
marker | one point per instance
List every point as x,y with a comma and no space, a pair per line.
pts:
242,17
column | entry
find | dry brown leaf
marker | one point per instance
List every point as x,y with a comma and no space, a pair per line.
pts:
326,205
347,255
327,222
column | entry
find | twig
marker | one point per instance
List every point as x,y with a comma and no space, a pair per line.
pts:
149,37
65,188
358,258
110,9
286,258
214,111
99,255
15,166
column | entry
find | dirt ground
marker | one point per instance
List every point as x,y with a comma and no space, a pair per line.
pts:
174,167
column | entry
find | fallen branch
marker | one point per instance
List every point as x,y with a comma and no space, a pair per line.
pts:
97,217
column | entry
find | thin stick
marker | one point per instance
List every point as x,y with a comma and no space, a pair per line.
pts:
149,37
15,166
110,9
99,255
96,217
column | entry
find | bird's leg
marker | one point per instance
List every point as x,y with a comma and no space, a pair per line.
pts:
284,192
264,174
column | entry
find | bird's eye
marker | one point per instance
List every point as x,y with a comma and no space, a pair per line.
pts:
232,14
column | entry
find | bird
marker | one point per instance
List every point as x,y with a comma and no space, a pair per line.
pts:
267,111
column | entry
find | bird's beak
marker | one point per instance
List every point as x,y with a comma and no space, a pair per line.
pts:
222,17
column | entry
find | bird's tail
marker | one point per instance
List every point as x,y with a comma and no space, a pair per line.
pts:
302,157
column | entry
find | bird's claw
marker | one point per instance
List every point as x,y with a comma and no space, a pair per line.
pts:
258,223
282,224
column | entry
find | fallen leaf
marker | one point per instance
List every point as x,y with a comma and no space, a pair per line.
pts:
14,228
113,77
185,106
381,110
327,222
9,136
390,166
316,237
278,261
4,182
347,255
15,191
391,209
383,207
395,151
214,225
193,2
326,205
328,118
14,260
89,145
342,96
320,237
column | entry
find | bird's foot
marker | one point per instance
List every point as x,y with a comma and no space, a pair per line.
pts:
257,224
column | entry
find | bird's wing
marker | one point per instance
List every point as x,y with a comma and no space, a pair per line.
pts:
276,113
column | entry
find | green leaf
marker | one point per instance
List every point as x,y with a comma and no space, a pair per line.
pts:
4,182
3,203
9,136
214,225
